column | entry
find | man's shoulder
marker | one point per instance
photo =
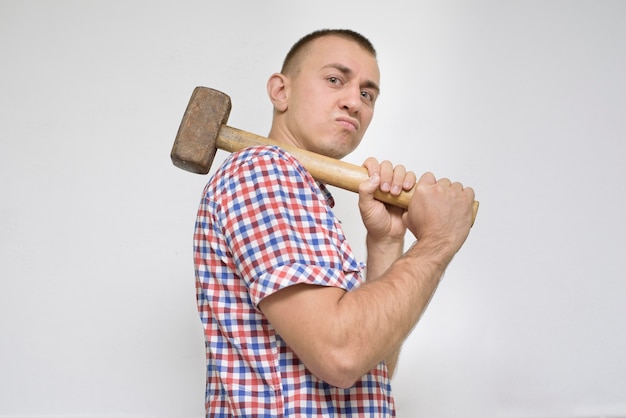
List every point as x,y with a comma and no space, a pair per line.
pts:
262,159
258,167
263,152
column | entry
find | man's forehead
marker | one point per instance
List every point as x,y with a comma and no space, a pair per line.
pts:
336,43
338,52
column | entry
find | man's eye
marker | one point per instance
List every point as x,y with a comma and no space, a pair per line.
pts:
367,96
333,80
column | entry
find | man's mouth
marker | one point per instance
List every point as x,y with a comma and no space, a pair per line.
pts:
349,124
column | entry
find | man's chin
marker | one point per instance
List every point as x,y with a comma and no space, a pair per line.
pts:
336,154
340,151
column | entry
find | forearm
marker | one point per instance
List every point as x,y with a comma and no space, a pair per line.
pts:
355,330
380,314
380,256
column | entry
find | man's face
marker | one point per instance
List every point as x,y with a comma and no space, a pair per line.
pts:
331,98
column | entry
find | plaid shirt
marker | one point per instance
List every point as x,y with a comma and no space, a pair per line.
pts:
265,224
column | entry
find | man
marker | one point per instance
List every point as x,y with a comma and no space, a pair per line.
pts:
292,328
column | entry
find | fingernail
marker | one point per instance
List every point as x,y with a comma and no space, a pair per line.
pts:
375,178
395,190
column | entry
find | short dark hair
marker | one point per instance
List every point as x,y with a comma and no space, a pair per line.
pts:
290,62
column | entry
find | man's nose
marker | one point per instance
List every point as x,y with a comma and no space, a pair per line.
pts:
351,100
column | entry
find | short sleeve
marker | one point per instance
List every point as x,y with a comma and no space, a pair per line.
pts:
281,230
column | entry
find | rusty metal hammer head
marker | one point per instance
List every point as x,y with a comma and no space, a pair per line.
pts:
196,141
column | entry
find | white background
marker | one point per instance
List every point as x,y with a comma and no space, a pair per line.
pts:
525,101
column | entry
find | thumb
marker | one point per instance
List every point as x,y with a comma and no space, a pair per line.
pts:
427,178
370,185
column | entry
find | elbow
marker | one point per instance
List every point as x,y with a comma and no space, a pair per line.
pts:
340,368
341,380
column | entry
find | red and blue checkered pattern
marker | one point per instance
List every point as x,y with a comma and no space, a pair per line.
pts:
264,224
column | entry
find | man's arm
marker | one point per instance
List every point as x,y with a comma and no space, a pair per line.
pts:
339,335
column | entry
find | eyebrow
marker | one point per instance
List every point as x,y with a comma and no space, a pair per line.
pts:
347,71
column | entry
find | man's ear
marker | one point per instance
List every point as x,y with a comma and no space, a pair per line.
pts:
278,91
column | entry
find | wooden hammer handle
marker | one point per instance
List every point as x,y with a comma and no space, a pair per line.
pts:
325,169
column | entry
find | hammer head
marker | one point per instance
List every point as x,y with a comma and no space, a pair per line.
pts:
196,141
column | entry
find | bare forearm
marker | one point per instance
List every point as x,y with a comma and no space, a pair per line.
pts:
381,255
398,296
356,330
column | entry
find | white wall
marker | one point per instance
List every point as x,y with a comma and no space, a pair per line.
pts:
524,101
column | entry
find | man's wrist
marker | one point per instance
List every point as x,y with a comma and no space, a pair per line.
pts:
386,241
431,254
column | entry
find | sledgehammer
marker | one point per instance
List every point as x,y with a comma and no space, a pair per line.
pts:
203,130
